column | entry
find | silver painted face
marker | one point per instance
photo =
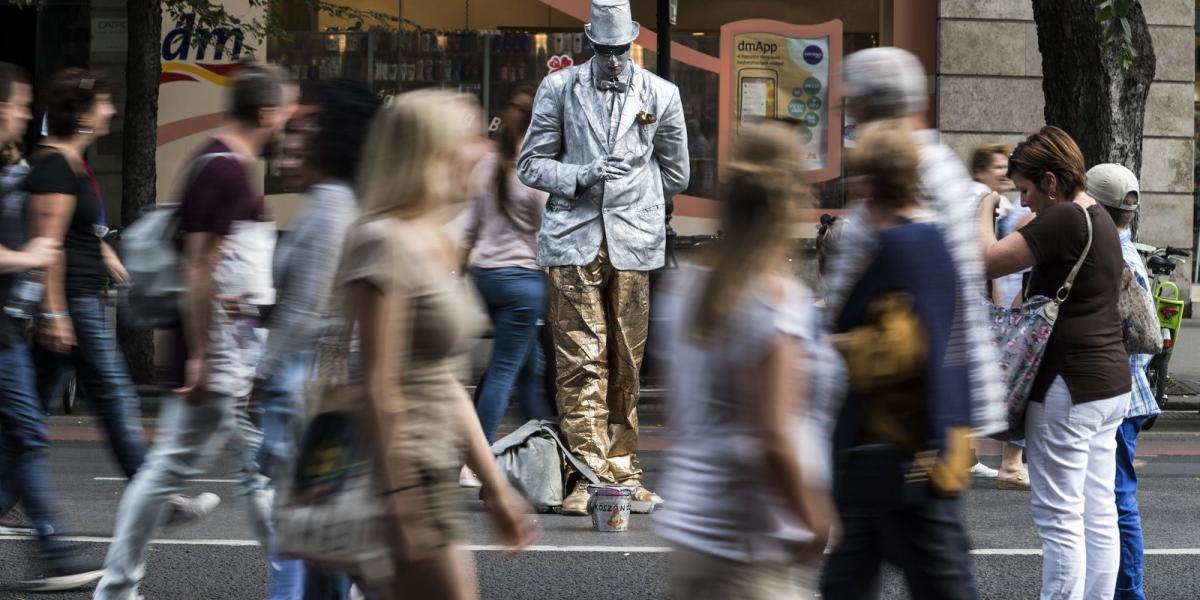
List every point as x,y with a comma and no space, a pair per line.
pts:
612,60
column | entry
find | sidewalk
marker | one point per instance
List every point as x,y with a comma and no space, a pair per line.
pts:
83,428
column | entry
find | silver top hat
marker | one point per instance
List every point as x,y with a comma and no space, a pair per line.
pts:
612,23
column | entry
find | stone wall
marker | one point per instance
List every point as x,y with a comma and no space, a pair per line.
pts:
989,89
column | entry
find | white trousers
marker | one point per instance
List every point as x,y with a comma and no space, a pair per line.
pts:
1072,469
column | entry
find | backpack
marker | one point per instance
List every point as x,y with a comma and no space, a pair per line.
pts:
150,251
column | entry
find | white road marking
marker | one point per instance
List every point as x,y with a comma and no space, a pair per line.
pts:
593,549
86,539
544,548
188,480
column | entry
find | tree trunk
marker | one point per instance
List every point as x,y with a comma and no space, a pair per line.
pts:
138,178
1088,94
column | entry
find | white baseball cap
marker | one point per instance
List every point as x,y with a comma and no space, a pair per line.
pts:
1109,183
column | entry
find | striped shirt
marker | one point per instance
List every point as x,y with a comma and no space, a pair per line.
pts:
946,190
1141,398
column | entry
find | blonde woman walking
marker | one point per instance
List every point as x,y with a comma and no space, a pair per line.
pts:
397,286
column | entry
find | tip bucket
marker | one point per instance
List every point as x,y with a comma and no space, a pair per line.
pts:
609,507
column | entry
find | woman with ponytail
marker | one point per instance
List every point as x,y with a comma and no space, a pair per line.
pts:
503,223
750,512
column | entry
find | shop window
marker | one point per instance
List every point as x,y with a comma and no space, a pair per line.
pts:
490,48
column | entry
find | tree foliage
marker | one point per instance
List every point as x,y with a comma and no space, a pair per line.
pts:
1118,32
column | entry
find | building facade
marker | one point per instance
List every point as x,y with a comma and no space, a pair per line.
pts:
982,56
989,89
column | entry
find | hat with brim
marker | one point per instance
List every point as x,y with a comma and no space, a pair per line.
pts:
612,23
1110,183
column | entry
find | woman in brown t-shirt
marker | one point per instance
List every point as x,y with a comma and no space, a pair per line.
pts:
1082,388
396,284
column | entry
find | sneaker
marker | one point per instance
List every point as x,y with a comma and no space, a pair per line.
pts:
644,501
186,511
70,573
575,504
983,471
467,478
14,522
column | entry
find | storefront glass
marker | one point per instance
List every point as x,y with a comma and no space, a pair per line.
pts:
490,48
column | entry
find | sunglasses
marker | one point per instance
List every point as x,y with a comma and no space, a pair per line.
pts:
610,50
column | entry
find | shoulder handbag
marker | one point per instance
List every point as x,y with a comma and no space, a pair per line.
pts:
337,512
1139,322
1020,336
888,350
332,512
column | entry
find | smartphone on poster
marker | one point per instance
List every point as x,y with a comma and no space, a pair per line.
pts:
758,91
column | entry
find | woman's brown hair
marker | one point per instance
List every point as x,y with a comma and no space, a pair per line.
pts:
520,101
758,209
886,156
69,94
1050,150
981,158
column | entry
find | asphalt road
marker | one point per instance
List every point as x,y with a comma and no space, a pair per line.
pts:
217,559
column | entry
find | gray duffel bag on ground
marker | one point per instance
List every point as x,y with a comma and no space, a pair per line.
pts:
532,458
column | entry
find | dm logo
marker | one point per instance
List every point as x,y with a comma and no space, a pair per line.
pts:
182,59
813,54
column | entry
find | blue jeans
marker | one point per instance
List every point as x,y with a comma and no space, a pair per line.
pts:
191,438
103,377
1129,578
24,463
516,302
283,414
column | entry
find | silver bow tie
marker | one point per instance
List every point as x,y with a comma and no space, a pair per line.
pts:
612,84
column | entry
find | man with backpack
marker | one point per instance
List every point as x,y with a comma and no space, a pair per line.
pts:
25,463
226,266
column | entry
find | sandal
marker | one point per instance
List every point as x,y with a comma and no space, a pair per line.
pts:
1020,481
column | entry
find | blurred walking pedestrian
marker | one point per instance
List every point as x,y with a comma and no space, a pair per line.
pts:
65,201
890,84
1081,391
397,286
501,239
76,336
226,267
24,463
1116,188
901,440
306,259
989,169
750,515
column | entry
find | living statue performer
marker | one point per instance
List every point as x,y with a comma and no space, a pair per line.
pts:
609,144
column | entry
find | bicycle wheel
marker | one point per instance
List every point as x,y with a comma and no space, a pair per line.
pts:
1161,379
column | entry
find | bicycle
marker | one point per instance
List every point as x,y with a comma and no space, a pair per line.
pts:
1161,262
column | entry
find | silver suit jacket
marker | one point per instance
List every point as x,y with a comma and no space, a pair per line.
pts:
568,131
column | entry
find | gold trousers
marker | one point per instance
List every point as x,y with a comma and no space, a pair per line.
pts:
599,317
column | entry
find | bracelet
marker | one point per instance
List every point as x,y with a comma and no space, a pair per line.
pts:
54,316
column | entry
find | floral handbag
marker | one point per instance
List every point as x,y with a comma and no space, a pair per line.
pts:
1020,336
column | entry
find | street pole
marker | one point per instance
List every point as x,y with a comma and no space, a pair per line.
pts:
666,19
665,10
